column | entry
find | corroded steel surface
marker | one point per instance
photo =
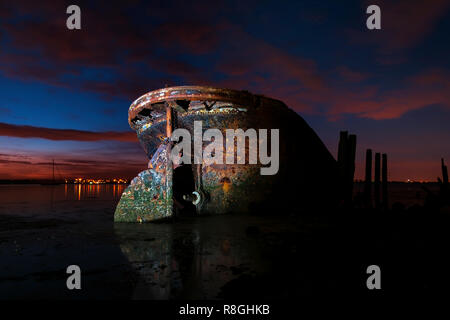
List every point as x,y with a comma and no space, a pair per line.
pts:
149,195
307,175
191,93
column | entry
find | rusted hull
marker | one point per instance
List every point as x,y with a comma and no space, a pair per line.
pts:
307,173
149,196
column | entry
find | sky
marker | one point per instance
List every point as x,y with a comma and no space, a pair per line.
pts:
64,94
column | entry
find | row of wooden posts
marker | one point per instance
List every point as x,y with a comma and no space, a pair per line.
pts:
379,197
380,200
346,163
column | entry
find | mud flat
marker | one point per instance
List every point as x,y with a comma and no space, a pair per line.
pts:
212,257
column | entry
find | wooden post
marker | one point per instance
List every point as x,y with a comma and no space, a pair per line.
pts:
350,167
444,186
368,180
384,182
377,180
346,163
444,172
342,147
342,156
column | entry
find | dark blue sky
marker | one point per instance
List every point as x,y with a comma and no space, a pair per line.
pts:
391,86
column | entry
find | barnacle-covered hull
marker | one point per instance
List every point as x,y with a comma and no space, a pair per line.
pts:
307,175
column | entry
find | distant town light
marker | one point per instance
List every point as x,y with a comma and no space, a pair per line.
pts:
96,181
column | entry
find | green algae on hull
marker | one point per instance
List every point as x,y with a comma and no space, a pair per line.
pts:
149,196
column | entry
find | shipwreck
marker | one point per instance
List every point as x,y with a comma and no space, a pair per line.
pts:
306,178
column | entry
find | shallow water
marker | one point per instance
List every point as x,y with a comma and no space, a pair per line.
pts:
44,229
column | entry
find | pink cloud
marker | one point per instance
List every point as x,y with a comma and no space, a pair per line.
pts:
21,131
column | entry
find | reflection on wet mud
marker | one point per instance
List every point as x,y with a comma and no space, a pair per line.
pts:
191,259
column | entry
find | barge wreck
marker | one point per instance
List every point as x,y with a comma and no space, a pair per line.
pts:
306,179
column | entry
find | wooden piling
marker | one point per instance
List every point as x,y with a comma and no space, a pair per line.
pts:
342,155
346,163
377,180
350,167
342,151
444,186
384,182
444,172
368,180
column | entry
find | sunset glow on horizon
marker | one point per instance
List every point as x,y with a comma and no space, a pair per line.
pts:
65,93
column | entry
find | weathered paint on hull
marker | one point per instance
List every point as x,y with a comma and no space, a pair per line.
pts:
307,175
149,195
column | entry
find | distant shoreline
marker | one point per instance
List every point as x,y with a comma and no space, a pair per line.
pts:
28,181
